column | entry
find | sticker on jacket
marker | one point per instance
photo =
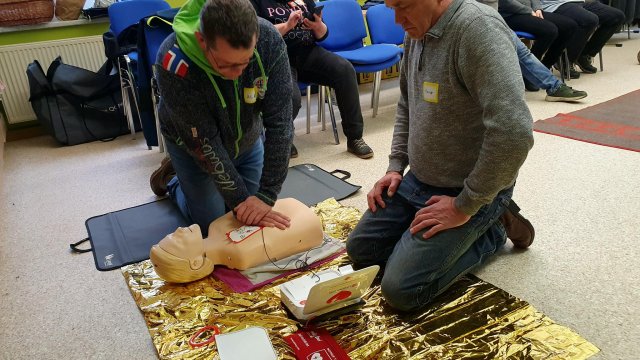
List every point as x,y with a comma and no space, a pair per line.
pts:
176,62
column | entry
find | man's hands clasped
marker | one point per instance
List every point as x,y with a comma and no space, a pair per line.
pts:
254,211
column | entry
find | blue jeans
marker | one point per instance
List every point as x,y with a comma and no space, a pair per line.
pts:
194,191
417,269
533,70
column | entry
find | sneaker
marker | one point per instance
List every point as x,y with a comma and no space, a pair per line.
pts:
359,148
584,63
160,178
573,73
566,93
294,152
529,86
519,230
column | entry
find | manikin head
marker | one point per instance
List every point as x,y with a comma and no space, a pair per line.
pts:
228,34
180,257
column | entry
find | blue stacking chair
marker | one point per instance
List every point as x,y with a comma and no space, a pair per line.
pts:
346,32
382,26
155,29
123,16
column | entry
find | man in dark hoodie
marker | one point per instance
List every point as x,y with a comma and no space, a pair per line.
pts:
225,113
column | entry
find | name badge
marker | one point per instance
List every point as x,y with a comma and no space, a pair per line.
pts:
250,95
430,92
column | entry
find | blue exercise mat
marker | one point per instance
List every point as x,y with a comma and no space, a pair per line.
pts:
126,236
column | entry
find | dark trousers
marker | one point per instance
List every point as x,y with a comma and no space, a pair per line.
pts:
596,24
552,34
319,66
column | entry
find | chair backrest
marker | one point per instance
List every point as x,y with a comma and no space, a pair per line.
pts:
126,13
382,26
155,33
345,23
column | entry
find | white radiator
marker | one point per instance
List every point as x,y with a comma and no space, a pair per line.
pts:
85,52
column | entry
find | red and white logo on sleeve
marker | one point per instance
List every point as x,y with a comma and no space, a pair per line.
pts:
175,62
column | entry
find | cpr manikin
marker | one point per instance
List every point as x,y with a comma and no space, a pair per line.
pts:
185,256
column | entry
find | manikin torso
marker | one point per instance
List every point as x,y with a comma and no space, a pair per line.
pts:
185,256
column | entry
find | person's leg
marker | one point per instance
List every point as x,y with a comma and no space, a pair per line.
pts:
566,28
296,103
420,269
376,234
587,23
610,19
249,166
296,99
194,191
323,67
544,31
533,70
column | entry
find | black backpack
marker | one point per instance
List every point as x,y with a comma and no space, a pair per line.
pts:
76,105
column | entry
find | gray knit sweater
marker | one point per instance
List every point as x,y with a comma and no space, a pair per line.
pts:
462,120
193,116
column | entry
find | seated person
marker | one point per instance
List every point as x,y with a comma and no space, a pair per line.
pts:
596,21
537,76
184,255
228,134
310,63
552,31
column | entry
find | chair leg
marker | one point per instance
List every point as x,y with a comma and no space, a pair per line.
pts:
568,67
600,56
321,114
376,94
154,98
333,116
373,91
133,88
125,98
564,67
308,109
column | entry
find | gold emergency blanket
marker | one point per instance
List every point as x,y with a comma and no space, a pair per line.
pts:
473,319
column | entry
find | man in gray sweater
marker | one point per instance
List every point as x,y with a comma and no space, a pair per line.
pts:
464,130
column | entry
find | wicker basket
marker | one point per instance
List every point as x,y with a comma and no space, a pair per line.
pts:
25,12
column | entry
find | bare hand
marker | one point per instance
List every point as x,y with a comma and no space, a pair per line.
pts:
538,13
251,210
294,19
275,219
390,182
316,26
439,214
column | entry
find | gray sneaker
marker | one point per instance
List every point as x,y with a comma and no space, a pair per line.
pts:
566,93
359,148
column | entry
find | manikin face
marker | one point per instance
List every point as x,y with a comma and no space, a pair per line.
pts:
417,16
180,256
227,60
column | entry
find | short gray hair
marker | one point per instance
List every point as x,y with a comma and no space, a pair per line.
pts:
234,20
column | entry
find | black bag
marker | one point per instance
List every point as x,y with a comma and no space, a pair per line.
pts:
76,105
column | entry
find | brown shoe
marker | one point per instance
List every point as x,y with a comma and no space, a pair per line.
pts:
160,178
519,229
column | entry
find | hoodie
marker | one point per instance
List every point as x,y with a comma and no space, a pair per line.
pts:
216,120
